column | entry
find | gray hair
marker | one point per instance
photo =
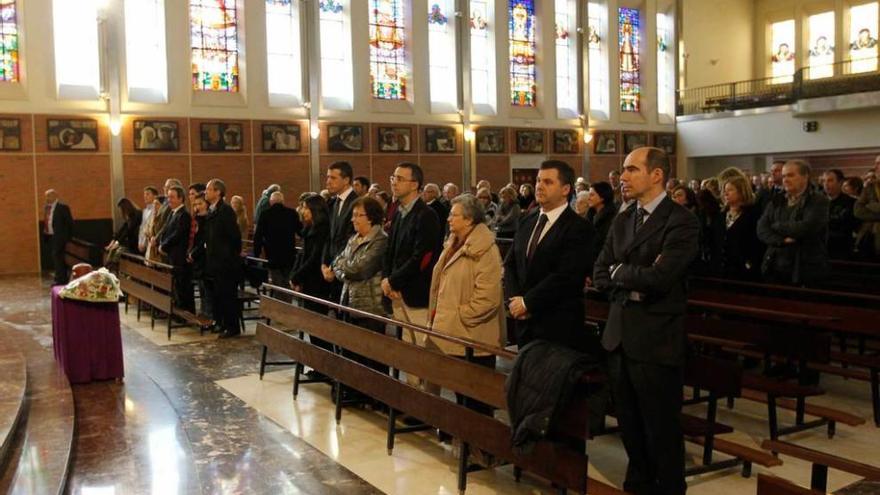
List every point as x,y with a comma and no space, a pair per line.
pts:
433,187
272,188
582,195
276,197
470,208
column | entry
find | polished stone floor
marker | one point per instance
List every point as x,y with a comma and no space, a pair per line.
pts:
193,417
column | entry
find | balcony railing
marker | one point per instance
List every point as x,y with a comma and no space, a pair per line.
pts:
846,77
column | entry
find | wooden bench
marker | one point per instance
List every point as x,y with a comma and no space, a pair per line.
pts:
559,463
821,462
79,251
771,485
154,286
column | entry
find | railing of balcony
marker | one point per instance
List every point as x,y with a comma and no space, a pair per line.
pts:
846,77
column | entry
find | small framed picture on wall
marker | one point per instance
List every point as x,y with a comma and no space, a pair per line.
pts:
220,136
529,141
281,137
634,140
665,142
490,140
395,139
605,143
565,141
156,135
10,135
345,138
72,134
440,140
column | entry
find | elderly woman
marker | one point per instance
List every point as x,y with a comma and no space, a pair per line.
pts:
465,297
241,218
489,206
507,218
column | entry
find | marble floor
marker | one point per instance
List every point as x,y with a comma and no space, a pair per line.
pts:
192,416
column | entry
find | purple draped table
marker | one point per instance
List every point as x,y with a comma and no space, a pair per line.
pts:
87,339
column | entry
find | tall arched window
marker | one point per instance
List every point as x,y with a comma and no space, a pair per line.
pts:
77,65
665,64
336,73
8,41
821,48
483,56
629,41
782,54
863,37
214,41
387,50
145,60
283,52
441,53
597,43
521,32
566,59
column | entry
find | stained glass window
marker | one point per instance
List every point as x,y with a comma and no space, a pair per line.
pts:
597,34
566,59
482,54
387,50
283,52
863,37
336,75
146,66
665,64
214,41
77,66
441,51
521,31
8,41
782,56
629,45
821,48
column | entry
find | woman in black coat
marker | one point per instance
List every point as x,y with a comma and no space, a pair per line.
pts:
306,276
127,234
601,214
742,252
711,234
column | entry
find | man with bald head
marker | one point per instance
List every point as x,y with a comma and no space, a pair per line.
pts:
276,234
57,230
867,209
643,268
450,191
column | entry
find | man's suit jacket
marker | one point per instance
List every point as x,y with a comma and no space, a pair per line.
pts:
174,239
276,232
552,284
62,225
341,228
441,210
223,244
654,263
413,248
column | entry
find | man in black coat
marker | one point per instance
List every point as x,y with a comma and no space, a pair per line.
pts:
57,230
174,244
276,233
413,248
338,183
842,222
223,258
643,267
548,264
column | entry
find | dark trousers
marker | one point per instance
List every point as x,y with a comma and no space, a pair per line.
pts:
647,400
183,289
227,311
206,297
280,276
62,271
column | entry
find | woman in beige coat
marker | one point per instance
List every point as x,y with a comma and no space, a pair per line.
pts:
466,297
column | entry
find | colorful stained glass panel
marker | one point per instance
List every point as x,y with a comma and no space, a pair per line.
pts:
387,50
628,23
521,31
8,41
214,41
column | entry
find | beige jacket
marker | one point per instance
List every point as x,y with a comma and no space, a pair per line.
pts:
466,296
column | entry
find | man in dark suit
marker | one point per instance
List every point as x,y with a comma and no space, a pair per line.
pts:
338,183
431,197
772,190
57,230
413,248
643,267
174,244
548,263
276,232
223,258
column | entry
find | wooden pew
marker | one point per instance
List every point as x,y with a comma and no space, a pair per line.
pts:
821,462
566,467
79,251
771,485
154,286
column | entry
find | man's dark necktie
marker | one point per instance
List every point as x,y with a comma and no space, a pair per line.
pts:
536,236
641,213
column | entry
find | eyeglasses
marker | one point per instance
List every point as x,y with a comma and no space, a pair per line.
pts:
397,178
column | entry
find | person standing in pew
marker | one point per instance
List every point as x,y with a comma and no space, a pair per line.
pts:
643,267
173,244
57,230
338,183
842,223
795,229
223,259
414,244
276,232
867,209
196,258
548,264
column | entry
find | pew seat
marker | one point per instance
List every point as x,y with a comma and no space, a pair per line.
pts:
821,462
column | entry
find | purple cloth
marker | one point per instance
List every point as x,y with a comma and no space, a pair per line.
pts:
87,339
